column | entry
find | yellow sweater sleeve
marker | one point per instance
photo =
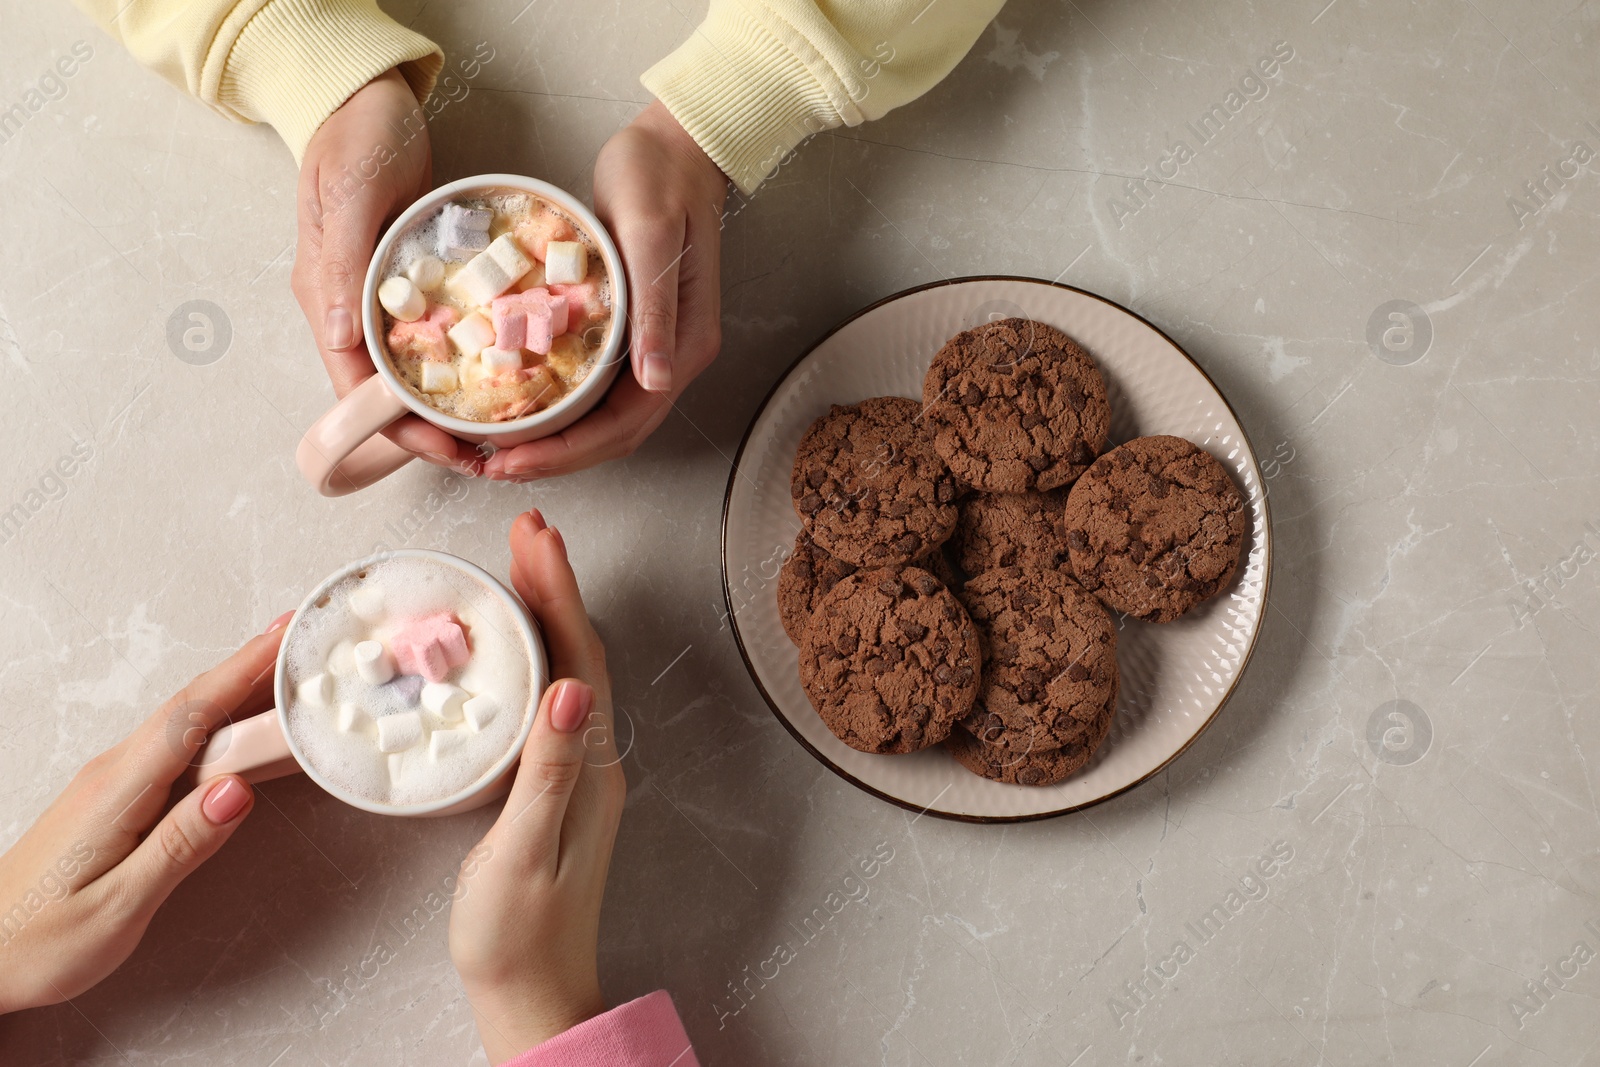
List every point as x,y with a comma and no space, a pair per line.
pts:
289,63
759,76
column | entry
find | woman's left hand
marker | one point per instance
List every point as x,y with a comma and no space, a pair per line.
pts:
79,888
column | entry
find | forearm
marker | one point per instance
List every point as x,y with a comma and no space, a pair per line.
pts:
759,76
289,63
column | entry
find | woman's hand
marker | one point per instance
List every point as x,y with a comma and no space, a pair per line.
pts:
661,197
80,887
525,927
367,163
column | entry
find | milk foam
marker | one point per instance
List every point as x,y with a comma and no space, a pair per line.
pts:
322,639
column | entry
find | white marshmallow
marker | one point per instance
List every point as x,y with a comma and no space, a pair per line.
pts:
399,731
441,742
316,690
351,717
367,603
438,377
565,262
472,334
444,700
491,272
373,662
397,768
402,299
479,711
500,360
426,272
342,660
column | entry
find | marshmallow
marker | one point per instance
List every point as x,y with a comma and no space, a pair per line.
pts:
441,742
425,338
584,302
565,262
351,717
463,231
500,360
316,690
406,687
366,603
536,233
373,662
491,272
444,700
479,711
400,731
529,319
431,646
472,334
438,378
397,769
426,272
402,299
342,660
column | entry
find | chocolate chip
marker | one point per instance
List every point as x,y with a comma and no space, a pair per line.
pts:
1046,624
1158,487
1039,462
1078,540
1032,419
1077,673
894,654
897,509
963,675
1075,398
945,491
972,396
909,545
1137,551
1153,581
877,665
845,643
811,503
1030,776
815,478
942,674
914,631
890,587
1081,453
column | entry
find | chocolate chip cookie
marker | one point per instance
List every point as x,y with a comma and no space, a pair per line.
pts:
1049,660
1014,405
1046,767
807,574
1009,530
890,660
1154,527
869,486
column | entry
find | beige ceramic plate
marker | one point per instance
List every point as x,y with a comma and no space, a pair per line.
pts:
1175,678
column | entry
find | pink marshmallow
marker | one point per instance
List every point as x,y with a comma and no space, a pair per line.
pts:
431,646
425,338
535,234
583,302
529,319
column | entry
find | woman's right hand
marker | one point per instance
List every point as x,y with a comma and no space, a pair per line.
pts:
525,926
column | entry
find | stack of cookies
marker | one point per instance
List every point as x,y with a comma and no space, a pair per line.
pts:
951,582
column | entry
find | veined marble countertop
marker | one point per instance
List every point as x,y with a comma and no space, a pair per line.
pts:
1385,254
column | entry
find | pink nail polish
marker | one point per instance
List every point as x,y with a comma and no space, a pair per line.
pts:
571,706
280,622
225,801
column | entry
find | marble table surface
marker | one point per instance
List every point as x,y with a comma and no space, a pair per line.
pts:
1385,255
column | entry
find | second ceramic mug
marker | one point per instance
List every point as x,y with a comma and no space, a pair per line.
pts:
263,747
345,449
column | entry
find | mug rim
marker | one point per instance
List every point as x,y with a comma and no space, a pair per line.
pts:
538,666
607,362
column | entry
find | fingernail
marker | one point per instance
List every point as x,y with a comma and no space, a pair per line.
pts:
538,519
280,622
560,541
225,801
571,706
657,373
340,328
438,457
516,468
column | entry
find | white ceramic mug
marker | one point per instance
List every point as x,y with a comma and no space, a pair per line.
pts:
263,747
345,449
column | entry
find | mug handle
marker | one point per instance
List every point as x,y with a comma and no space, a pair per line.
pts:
254,749
344,451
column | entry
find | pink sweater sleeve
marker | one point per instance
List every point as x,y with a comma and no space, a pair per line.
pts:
641,1033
